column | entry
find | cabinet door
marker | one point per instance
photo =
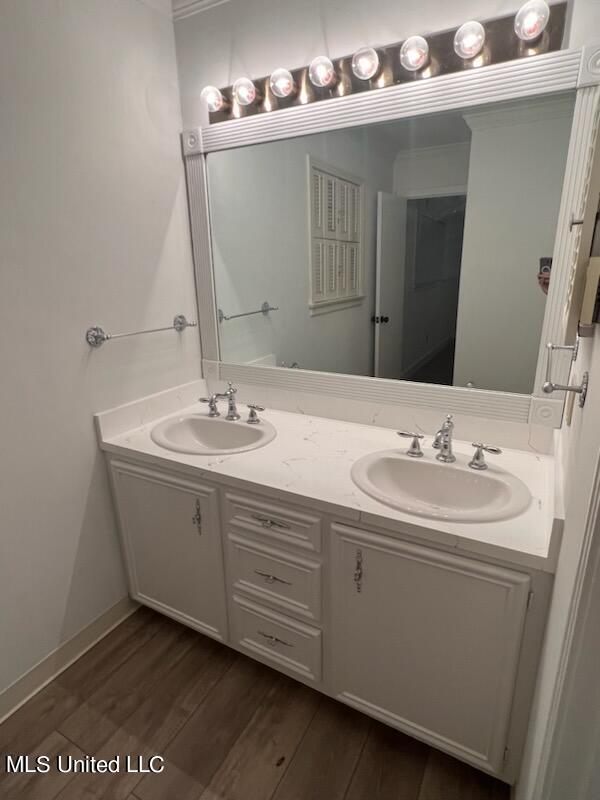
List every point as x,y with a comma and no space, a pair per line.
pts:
172,543
427,641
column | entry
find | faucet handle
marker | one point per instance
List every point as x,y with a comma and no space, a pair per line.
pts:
253,418
415,446
478,460
213,411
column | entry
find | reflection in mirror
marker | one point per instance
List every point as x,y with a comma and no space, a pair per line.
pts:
419,249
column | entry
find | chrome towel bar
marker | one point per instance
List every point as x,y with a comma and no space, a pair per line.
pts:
264,309
95,336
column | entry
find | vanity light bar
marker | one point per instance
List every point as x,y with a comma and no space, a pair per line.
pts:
536,28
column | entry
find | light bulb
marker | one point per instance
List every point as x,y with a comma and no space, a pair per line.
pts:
469,39
531,20
365,63
282,83
414,53
321,71
244,91
213,98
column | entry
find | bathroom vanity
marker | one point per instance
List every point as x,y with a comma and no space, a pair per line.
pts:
431,626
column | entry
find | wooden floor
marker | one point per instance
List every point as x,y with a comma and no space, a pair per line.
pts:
226,726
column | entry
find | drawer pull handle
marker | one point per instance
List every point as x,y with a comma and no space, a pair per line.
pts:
197,518
266,522
273,640
358,571
271,578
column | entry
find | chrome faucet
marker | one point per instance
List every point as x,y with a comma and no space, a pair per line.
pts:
213,411
443,441
232,412
437,441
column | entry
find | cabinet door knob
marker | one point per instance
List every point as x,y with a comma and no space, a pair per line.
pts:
197,518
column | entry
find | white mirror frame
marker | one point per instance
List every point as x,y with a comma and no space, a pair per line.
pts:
559,71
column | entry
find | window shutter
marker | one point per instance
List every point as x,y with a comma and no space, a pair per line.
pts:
356,215
330,211
335,229
318,277
342,267
342,211
353,268
331,268
317,202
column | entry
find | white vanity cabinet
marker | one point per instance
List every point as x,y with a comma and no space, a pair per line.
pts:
171,537
427,641
441,646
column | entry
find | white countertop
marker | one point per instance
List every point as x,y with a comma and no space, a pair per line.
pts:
311,458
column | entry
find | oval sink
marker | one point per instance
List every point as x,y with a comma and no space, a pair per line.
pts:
208,436
428,488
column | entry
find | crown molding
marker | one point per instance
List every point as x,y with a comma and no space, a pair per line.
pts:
187,8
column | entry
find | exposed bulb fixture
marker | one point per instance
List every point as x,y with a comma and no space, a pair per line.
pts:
322,72
213,98
469,39
244,91
531,20
414,53
282,83
522,33
365,63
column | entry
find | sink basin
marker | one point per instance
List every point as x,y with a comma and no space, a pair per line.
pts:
428,488
210,436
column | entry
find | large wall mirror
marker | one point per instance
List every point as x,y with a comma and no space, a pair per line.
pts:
418,249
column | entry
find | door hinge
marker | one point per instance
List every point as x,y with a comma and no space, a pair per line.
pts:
505,756
529,599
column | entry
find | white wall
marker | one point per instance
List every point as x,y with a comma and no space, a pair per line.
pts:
93,229
254,37
260,224
571,756
517,164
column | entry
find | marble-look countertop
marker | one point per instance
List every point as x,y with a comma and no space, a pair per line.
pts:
311,458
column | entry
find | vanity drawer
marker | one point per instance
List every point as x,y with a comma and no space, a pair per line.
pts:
291,583
277,640
281,523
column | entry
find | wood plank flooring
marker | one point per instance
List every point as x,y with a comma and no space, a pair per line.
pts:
227,728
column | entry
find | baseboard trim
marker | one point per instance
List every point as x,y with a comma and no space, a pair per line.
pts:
19,692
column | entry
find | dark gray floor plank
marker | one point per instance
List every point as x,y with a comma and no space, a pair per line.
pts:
448,779
151,727
95,666
325,761
391,767
203,743
41,786
101,714
258,760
